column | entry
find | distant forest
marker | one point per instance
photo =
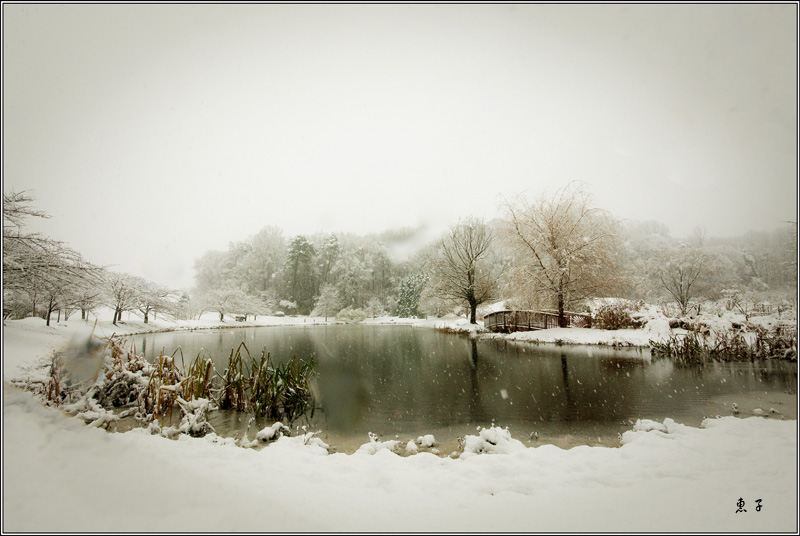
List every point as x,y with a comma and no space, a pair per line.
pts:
556,253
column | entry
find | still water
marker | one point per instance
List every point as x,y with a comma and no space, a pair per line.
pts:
401,382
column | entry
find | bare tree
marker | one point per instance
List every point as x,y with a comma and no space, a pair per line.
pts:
122,293
685,273
150,298
37,265
461,272
86,299
226,300
566,249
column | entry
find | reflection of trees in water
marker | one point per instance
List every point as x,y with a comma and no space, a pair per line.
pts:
477,412
565,381
386,377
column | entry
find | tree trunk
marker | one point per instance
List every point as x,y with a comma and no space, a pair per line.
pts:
473,309
221,315
562,321
49,311
145,317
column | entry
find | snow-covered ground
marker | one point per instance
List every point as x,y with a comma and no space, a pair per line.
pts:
61,476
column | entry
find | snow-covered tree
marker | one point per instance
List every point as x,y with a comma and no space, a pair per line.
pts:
299,270
151,298
45,270
122,293
374,307
87,299
352,276
226,300
328,303
266,260
567,249
409,292
327,255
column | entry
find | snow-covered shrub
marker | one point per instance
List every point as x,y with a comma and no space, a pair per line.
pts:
307,440
647,425
194,421
703,342
494,440
620,315
426,441
112,375
270,433
779,342
219,440
289,306
349,314
124,376
121,381
375,445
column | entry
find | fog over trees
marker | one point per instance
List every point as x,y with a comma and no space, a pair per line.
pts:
553,252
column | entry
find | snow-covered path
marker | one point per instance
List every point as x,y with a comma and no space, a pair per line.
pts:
59,475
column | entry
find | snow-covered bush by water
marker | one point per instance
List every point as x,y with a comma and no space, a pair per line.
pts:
91,378
375,445
493,440
620,315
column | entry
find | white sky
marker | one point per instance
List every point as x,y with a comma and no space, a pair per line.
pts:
153,133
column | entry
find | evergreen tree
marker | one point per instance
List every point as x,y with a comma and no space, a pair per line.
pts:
299,269
408,295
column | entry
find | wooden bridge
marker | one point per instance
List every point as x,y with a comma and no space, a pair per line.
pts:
508,321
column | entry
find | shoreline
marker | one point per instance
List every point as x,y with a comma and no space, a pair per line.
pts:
39,354
657,329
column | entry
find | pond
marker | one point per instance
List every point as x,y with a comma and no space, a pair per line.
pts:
401,382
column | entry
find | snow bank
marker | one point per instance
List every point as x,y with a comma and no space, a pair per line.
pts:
656,328
61,476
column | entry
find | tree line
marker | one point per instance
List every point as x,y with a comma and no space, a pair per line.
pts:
42,276
552,252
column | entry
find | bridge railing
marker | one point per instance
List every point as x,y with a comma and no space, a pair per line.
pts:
509,320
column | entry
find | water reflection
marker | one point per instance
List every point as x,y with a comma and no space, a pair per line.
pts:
565,379
477,412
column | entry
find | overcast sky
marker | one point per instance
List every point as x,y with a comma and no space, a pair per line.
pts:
153,133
